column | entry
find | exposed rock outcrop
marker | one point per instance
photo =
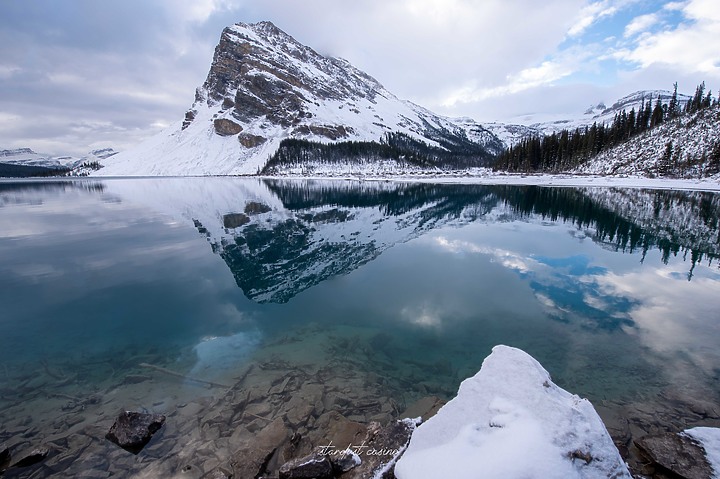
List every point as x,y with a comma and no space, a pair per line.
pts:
225,127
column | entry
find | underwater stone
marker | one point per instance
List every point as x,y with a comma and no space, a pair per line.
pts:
35,456
251,459
424,408
218,473
4,457
133,430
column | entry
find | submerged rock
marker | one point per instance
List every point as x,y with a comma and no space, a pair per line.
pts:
510,420
36,455
133,430
252,458
424,408
218,473
4,457
676,453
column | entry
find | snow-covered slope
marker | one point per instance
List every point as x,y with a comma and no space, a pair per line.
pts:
510,420
543,124
27,157
264,86
689,136
599,113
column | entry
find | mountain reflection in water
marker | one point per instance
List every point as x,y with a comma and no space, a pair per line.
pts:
324,229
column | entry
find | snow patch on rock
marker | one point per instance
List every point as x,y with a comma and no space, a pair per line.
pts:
510,420
709,439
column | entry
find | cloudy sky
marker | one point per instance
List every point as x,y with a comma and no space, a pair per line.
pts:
82,74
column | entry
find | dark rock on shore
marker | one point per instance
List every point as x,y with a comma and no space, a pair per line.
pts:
674,455
133,430
345,462
314,466
382,447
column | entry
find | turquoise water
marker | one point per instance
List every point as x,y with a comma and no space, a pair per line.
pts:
615,292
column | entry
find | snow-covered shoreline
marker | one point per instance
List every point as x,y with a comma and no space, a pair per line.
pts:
457,177
704,184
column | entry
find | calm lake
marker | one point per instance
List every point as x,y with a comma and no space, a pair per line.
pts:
106,285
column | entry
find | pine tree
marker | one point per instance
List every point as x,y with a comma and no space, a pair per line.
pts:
707,102
658,114
673,107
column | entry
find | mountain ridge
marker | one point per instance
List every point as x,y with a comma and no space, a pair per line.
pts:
263,86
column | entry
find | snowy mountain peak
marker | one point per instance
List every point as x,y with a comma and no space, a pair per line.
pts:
595,109
16,152
264,86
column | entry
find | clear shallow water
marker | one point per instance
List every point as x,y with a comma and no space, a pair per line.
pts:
615,292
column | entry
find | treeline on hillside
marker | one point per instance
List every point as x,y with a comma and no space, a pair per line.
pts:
397,147
9,170
676,165
568,149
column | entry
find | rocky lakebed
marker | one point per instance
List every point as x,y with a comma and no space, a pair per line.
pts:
328,409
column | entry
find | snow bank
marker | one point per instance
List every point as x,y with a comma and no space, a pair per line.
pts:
511,421
709,438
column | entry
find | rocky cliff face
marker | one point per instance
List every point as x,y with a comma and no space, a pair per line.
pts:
264,86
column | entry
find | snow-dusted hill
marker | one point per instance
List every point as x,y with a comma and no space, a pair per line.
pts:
28,157
675,148
264,86
598,113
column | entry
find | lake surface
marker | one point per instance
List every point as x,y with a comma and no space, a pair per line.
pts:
107,285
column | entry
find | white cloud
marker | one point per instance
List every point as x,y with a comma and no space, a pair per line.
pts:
504,257
673,6
672,315
6,71
491,60
546,73
591,14
693,46
640,24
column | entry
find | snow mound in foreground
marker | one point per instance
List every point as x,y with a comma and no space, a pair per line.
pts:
511,421
709,438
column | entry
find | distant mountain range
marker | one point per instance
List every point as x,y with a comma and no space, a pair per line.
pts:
21,162
264,88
